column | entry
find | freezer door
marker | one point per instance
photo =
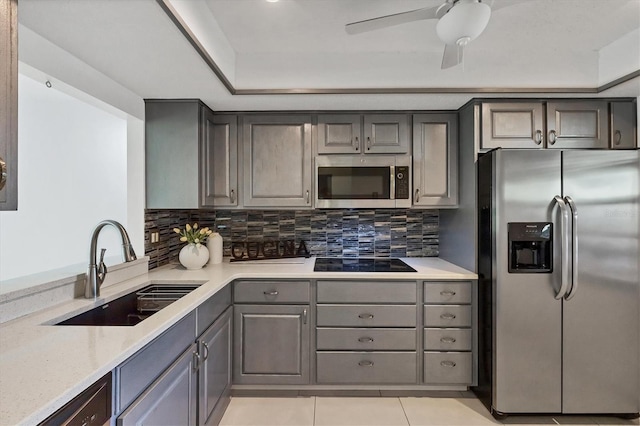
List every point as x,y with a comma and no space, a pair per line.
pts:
527,326
601,319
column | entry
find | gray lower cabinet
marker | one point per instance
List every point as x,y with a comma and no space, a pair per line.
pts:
271,344
219,160
435,160
9,105
623,125
214,373
277,161
170,400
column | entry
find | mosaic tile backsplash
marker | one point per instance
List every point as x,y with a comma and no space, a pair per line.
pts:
332,233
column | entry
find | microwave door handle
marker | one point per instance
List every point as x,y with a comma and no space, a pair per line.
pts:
564,252
392,183
574,247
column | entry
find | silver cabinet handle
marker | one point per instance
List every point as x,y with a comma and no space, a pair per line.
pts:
196,361
3,173
564,242
206,351
447,339
365,340
307,197
365,363
368,143
270,293
365,316
232,196
449,293
448,316
538,137
304,316
552,137
357,143
448,364
617,137
574,247
417,199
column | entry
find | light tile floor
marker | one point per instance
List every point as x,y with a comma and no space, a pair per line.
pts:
461,408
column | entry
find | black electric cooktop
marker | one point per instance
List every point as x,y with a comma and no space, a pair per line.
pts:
337,264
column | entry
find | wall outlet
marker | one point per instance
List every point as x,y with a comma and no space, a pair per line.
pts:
154,236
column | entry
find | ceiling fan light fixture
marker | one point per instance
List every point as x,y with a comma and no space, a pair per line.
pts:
465,21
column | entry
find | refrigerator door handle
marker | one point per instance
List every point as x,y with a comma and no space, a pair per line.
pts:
574,247
564,234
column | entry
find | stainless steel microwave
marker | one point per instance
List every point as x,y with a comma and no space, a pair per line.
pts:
361,181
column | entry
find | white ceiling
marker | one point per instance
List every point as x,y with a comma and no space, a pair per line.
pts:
301,44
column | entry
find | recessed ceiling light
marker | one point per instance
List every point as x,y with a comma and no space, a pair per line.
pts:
272,1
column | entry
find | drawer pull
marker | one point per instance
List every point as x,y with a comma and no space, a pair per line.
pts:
365,316
448,364
447,340
365,363
447,293
365,340
447,316
271,293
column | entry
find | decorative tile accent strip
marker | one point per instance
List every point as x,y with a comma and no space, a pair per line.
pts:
331,233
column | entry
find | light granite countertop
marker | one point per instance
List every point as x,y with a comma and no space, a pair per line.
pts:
44,366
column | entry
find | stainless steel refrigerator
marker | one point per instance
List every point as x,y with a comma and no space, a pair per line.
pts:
559,289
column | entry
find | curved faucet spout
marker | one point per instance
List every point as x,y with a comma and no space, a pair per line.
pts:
98,271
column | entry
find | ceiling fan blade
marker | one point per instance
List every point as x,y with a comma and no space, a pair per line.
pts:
391,20
452,56
501,4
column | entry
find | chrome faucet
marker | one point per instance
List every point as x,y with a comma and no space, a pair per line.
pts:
98,271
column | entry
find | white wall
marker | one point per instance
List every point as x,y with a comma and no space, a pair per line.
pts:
72,174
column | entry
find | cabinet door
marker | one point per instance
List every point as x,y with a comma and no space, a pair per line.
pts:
277,161
271,344
170,400
512,125
214,381
577,124
386,134
339,133
435,160
623,125
220,160
9,105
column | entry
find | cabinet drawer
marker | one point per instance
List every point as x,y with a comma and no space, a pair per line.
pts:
271,292
366,339
447,339
366,367
366,292
447,316
447,368
211,309
139,371
447,292
366,315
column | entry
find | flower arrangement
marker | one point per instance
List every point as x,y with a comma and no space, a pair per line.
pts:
193,235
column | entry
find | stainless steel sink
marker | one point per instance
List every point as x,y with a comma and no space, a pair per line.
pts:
132,308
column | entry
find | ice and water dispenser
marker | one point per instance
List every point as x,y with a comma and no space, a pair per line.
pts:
530,247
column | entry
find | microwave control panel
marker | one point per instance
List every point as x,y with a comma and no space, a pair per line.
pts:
402,183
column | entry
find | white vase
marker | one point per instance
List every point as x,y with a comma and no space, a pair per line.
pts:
193,257
214,243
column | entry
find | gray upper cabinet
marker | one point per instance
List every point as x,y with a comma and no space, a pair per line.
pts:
513,125
220,160
623,125
579,124
277,161
9,105
339,133
435,160
173,133
368,134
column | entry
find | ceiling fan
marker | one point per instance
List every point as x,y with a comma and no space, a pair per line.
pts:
459,22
